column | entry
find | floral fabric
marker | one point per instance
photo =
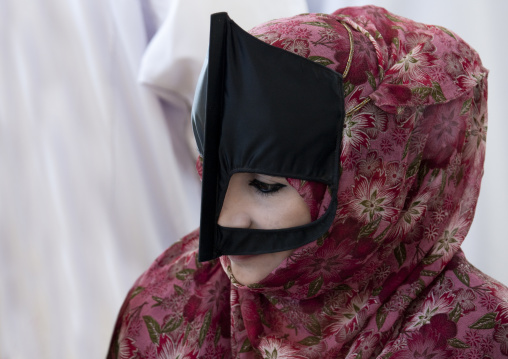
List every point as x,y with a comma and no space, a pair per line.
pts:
388,280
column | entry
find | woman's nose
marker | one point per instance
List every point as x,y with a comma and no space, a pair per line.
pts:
234,216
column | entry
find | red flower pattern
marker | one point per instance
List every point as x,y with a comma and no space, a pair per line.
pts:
388,280
411,68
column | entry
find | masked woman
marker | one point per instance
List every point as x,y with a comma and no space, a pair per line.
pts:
341,159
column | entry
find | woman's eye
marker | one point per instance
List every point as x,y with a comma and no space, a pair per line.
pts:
266,188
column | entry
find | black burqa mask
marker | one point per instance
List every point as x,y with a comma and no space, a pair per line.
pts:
264,110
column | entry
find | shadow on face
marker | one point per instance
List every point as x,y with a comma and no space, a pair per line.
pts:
260,201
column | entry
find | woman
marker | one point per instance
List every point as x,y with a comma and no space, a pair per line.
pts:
335,204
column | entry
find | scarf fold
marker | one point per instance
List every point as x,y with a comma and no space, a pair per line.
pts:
388,279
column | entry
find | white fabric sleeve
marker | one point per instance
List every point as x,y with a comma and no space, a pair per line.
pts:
173,59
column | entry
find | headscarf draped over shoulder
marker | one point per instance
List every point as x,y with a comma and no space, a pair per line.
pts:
388,279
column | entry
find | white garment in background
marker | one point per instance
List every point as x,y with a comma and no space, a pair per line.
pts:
91,189
173,59
95,180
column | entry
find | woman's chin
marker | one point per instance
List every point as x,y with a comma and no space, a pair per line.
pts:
239,258
247,278
249,269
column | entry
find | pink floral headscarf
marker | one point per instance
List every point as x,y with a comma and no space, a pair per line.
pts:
388,280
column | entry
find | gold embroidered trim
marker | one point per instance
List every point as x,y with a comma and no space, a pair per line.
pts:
351,50
357,107
348,66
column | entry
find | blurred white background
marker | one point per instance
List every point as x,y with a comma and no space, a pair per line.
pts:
96,173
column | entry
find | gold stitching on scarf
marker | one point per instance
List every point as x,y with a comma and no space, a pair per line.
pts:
357,107
351,50
348,66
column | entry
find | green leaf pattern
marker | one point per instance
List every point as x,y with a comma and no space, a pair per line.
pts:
387,279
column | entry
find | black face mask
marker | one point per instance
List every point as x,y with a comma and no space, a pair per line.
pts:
264,110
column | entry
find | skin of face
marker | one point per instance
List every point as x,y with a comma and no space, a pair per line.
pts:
261,202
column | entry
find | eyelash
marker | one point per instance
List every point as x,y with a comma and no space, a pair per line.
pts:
266,189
